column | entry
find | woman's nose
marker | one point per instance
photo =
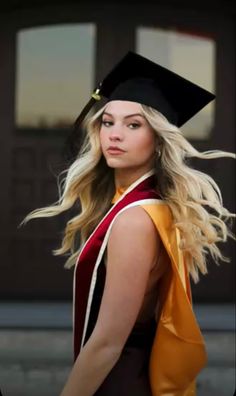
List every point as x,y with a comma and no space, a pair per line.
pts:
116,134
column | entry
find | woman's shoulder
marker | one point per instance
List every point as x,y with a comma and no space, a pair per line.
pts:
134,236
134,219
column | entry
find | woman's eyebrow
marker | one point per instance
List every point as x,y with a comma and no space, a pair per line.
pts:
128,116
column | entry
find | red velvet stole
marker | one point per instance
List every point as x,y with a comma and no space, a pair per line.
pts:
87,259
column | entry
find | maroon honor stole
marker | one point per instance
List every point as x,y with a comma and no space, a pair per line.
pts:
87,268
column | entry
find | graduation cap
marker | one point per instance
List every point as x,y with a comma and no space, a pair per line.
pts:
137,79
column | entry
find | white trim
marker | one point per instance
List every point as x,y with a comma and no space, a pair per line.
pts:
101,252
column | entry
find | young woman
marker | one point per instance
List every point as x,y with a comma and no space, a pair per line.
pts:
145,229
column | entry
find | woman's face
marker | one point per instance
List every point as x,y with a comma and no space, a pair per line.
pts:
127,140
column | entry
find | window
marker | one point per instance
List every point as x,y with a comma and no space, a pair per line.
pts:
54,75
190,55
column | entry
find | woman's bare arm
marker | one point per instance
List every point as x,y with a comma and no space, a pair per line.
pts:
131,253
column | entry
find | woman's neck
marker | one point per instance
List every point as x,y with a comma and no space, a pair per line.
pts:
125,177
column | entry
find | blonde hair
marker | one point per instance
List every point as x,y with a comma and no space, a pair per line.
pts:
188,192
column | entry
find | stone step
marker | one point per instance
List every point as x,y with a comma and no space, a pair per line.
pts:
56,346
37,362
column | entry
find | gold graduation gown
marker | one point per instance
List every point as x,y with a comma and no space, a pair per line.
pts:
178,334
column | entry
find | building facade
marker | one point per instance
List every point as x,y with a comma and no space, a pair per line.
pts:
32,153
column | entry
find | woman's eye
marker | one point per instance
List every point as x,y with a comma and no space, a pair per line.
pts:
106,123
134,125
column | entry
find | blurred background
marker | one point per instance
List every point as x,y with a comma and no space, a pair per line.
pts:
52,55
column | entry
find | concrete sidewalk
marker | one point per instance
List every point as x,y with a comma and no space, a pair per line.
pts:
36,360
58,315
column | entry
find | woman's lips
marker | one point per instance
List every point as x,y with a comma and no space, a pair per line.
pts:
115,150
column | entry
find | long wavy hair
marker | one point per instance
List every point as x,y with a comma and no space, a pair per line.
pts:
194,198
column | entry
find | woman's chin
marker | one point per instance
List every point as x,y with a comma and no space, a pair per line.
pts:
116,163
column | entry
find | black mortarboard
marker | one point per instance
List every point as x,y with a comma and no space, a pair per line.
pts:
138,79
